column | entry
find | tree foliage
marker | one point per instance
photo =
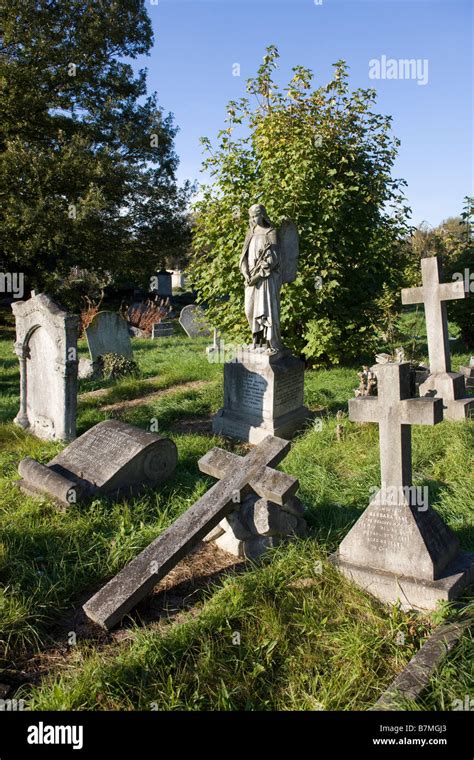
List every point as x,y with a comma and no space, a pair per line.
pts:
87,158
323,158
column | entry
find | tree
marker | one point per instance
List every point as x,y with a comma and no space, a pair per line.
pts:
87,159
322,158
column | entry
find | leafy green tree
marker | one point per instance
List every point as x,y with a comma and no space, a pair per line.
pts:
87,160
322,158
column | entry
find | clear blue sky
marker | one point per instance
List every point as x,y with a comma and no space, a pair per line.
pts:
198,41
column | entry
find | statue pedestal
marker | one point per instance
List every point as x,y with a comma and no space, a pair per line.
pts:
263,395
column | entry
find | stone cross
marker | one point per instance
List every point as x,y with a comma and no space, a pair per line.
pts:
434,294
395,412
400,550
441,382
138,578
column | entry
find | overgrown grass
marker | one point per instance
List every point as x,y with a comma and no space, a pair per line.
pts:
322,645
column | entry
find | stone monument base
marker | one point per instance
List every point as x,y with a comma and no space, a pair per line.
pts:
406,554
451,387
412,593
263,395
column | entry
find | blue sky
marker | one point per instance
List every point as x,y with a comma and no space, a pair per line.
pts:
198,41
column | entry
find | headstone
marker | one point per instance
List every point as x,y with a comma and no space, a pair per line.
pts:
108,334
468,373
137,579
162,330
178,279
400,549
258,523
111,459
164,284
193,321
46,345
441,382
263,395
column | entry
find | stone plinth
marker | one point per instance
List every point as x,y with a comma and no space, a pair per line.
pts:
263,395
451,387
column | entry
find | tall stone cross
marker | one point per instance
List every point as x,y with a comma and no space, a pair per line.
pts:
400,549
450,386
137,579
395,412
434,294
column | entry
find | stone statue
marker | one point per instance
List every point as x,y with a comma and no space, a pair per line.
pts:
269,259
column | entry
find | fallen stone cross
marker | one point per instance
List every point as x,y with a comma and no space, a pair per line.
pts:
138,578
441,382
400,549
111,459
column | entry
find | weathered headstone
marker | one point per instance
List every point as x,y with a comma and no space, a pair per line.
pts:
108,334
46,345
162,330
258,523
138,578
400,549
441,382
193,321
178,279
111,459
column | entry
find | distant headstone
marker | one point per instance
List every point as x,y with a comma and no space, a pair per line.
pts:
164,286
162,330
193,321
441,382
468,373
137,579
111,459
46,345
178,279
400,549
108,334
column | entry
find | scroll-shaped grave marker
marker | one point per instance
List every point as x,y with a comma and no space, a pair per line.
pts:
400,549
110,459
441,382
138,578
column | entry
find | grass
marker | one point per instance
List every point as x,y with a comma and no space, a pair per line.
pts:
308,640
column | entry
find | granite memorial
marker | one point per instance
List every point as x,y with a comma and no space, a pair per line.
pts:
193,321
108,334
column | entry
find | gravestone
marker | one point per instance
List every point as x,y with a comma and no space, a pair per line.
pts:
137,579
258,523
164,286
400,549
162,330
193,321
111,459
263,395
441,382
468,373
178,279
108,334
46,345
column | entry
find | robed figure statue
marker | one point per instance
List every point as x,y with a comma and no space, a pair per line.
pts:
269,258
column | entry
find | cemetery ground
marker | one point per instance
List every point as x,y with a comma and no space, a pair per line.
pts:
290,634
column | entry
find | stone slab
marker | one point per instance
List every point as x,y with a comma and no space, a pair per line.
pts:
162,330
137,579
108,334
